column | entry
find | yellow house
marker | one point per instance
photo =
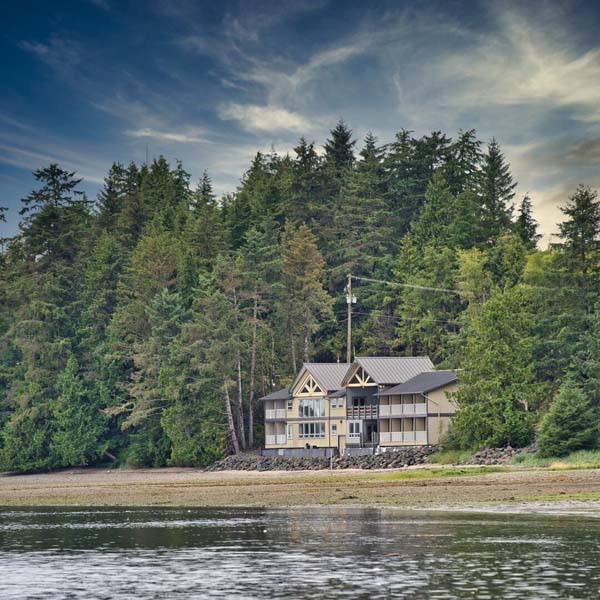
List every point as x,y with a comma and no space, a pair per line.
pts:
374,401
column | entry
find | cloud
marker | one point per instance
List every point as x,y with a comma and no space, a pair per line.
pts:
252,117
59,53
192,136
102,4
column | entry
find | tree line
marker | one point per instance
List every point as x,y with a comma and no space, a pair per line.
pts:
142,327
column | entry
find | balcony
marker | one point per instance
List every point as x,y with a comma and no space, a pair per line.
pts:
275,440
403,410
275,413
403,437
362,412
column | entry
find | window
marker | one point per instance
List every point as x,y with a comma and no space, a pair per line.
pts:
311,407
290,404
334,402
290,431
333,429
359,401
311,430
354,427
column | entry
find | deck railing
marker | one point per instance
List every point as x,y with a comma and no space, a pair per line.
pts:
272,440
362,412
403,436
275,413
401,410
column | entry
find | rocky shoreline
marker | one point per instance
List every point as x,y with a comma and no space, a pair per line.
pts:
403,457
399,458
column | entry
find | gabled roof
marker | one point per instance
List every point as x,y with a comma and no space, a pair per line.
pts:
390,370
283,394
422,383
338,394
328,375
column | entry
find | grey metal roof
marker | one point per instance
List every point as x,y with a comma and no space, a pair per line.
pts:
389,370
422,383
283,394
338,394
327,375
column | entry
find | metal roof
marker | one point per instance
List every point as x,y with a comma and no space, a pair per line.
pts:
338,394
422,383
390,370
328,375
283,394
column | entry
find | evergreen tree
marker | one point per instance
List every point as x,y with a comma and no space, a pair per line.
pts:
526,225
498,191
570,424
304,304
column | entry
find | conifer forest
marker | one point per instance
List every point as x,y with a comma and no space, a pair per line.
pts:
141,327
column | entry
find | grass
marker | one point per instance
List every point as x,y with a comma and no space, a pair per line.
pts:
449,457
582,459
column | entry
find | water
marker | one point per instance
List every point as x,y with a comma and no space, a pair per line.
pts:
300,553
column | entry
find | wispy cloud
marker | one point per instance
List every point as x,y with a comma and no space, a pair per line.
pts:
191,136
102,4
252,117
59,52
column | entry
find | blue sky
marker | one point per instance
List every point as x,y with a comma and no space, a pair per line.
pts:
88,82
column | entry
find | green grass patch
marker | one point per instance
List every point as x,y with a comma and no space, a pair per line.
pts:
441,472
449,457
582,459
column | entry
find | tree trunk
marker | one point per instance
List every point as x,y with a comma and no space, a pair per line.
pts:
252,371
292,346
241,423
230,424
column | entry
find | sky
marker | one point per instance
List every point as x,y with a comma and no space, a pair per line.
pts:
86,83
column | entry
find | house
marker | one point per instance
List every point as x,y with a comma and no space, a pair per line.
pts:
385,401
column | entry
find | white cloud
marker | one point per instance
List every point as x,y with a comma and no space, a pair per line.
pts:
191,136
263,118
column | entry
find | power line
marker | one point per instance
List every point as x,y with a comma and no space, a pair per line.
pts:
406,285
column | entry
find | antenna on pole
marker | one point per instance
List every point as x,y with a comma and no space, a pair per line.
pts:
350,300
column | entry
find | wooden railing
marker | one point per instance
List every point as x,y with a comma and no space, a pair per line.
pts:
362,412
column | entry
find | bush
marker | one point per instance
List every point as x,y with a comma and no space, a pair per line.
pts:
570,424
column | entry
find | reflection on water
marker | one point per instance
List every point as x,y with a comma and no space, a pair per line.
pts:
301,553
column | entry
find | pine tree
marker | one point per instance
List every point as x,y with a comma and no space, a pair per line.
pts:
526,226
304,304
339,153
570,424
582,228
497,190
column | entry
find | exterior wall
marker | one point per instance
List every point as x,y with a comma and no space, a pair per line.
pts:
440,408
334,437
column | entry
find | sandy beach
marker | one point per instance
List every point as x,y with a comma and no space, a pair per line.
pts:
419,488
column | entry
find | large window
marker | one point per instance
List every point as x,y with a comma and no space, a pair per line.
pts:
358,401
311,430
311,407
290,431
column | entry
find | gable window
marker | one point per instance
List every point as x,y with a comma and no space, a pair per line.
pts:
311,407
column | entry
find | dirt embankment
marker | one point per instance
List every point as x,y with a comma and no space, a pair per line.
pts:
408,488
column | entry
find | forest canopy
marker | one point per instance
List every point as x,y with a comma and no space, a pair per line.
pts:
142,327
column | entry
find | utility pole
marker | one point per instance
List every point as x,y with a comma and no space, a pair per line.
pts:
350,300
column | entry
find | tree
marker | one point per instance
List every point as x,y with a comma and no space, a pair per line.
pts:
582,228
339,153
570,424
79,424
499,387
304,303
56,214
526,226
497,190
